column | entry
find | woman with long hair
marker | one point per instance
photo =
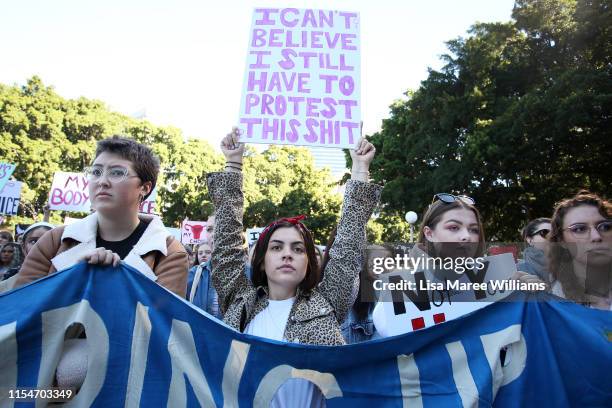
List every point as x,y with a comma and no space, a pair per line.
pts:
286,300
580,256
11,258
452,228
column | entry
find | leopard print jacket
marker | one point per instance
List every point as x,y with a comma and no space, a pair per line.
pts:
317,314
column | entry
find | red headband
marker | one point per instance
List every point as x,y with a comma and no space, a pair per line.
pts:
291,220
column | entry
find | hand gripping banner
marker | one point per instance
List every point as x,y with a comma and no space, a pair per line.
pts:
148,347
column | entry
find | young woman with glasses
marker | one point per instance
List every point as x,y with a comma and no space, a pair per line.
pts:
580,256
286,301
121,176
535,260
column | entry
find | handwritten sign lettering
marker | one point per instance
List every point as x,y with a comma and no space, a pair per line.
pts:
193,232
70,192
253,234
10,197
302,78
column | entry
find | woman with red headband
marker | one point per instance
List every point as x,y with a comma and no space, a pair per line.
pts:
285,300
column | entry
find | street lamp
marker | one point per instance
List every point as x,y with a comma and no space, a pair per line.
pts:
411,218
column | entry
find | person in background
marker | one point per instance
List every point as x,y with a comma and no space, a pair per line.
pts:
46,212
580,254
451,228
5,237
29,238
210,229
534,260
203,252
200,290
11,257
359,324
319,254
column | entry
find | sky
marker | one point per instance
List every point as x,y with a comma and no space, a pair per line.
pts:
182,62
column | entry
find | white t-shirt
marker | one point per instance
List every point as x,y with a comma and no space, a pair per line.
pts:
379,320
270,323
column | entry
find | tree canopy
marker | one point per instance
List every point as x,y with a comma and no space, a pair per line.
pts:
518,118
43,133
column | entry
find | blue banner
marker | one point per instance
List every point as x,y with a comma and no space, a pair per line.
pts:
148,347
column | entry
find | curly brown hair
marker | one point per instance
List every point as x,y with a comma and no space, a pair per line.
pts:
560,259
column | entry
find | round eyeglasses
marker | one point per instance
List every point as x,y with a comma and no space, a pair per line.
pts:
583,231
115,174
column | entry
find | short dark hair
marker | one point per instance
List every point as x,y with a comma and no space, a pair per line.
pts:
144,161
259,276
531,226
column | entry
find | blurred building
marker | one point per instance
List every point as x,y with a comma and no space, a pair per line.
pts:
333,159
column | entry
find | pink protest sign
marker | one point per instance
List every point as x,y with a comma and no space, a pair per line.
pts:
69,192
193,232
302,78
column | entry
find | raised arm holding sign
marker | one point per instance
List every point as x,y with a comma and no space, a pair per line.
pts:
286,285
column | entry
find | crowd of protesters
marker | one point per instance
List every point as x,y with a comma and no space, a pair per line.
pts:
285,288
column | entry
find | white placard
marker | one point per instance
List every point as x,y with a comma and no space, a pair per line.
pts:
70,192
302,78
253,234
193,232
6,171
430,306
10,198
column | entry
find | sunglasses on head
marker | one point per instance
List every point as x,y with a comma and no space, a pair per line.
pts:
449,198
543,233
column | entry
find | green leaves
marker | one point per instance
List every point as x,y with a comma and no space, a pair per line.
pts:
44,133
518,118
